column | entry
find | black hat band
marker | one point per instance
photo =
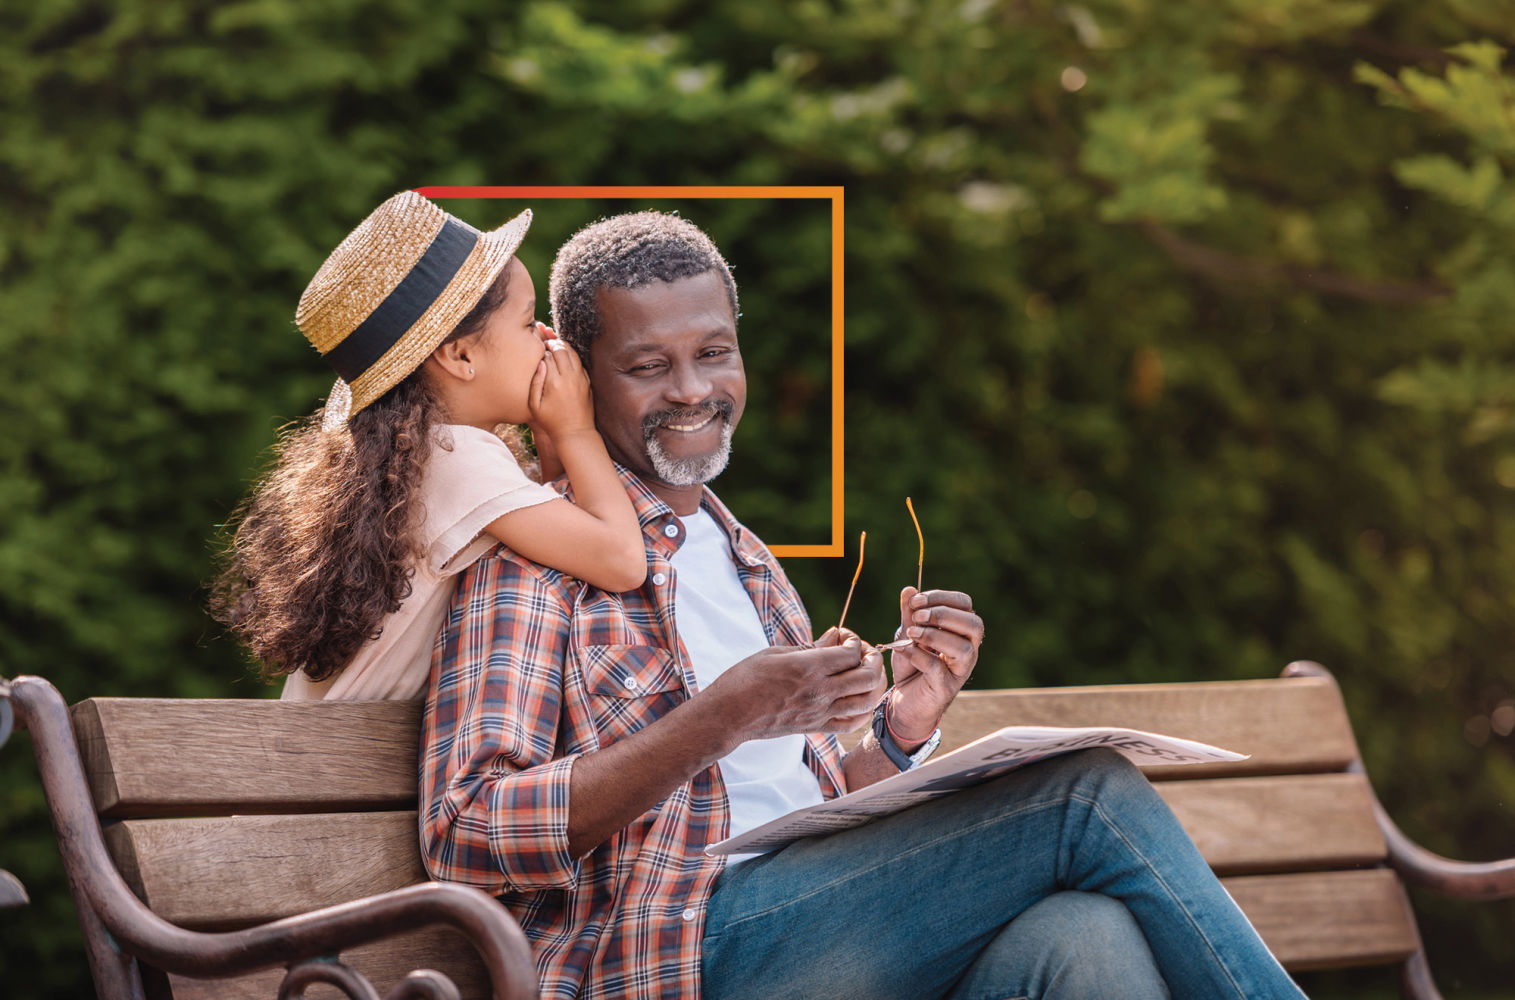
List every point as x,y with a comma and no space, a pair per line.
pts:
405,305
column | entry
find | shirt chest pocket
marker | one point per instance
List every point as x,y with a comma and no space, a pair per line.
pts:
629,686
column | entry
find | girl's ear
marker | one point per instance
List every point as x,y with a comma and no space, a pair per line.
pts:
454,358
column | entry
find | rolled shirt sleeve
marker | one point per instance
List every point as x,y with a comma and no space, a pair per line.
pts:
494,790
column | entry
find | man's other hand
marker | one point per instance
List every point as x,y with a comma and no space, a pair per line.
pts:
929,674
830,687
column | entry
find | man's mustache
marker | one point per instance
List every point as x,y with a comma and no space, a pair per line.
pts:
722,408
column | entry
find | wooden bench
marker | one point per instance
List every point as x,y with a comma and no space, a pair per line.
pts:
229,814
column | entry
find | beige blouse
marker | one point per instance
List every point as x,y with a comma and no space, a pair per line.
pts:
471,479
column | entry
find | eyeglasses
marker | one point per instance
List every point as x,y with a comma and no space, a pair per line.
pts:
920,563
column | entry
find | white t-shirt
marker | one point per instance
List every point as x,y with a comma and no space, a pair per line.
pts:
471,479
719,626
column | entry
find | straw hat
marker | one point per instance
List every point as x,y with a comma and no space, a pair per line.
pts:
393,290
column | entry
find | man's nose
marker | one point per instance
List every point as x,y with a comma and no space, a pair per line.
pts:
689,385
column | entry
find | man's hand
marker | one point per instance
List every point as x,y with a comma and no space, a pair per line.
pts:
929,674
830,687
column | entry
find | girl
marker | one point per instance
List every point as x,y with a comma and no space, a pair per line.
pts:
343,561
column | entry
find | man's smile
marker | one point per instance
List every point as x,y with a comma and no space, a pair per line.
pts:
689,445
686,428
680,420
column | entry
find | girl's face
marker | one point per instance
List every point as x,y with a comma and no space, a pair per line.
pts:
506,352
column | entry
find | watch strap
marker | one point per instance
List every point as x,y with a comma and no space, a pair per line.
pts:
896,753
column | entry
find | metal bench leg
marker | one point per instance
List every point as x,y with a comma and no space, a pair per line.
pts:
1415,978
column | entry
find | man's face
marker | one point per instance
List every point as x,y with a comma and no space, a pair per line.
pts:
668,381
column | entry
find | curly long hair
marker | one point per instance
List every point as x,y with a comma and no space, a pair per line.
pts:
325,546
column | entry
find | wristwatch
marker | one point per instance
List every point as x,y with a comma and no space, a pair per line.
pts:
896,754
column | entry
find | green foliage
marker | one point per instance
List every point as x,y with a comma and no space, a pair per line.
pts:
1186,326
1157,154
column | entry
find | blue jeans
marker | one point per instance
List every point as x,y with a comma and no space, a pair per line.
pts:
926,903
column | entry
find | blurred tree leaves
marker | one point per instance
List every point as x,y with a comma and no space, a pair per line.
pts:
1186,326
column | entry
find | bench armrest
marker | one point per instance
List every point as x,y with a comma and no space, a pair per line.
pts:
1429,870
12,892
1416,865
105,901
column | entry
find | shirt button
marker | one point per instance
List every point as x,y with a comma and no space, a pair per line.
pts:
671,530
658,579
631,683
690,914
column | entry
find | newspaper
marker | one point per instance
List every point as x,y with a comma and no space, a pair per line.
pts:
996,754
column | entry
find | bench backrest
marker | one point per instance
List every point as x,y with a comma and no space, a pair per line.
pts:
228,813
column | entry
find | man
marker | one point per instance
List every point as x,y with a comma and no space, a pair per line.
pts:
581,748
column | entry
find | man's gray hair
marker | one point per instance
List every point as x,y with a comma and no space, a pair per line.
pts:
625,251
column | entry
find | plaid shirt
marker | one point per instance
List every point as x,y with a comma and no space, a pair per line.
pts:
534,669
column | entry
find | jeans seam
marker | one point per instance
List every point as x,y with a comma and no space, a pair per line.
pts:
1096,807
1158,879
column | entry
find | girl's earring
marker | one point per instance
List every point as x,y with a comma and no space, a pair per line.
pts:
470,371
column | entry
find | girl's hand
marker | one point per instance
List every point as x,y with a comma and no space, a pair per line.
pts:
560,401
548,460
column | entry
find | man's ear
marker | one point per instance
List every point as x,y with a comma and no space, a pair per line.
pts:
454,358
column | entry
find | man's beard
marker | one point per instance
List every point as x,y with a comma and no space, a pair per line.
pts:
696,469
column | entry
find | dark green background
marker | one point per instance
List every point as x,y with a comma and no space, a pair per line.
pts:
1187,326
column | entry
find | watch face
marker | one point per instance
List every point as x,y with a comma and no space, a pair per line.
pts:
927,749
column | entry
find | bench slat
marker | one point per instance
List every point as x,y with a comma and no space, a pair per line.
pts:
161,756
266,867
1287,725
173,756
1329,919
1275,824
223,872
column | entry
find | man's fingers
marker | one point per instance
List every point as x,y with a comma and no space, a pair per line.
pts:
830,660
854,706
949,619
861,679
848,724
936,650
834,636
950,646
912,661
852,709
948,598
